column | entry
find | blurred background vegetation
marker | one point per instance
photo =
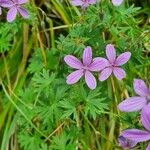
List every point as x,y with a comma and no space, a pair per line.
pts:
38,111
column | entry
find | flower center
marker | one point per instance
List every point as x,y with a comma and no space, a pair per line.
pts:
85,68
112,64
16,4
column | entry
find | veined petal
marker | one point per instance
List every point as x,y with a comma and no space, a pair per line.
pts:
136,135
77,2
117,2
133,143
11,15
0,10
148,147
92,1
74,76
6,3
22,1
105,74
119,73
90,80
126,143
24,13
87,56
140,87
111,53
145,117
123,58
85,5
73,62
132,104
98,64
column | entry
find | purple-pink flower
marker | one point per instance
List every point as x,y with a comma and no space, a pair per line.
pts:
140,135
84,68
15,6
0,7
136,103
114,64
1,3
117,2
83,3
126,143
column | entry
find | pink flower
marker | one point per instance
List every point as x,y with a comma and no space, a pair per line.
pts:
1,3
117,2
113,64
137,103
14,7
126,143
83,3
140,135
84,69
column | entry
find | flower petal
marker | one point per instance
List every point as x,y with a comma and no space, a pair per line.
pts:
98,64
123,58
136,135
117,2
111,53
6,3
145,117
92,1
11,15
105,74
22,1
126,143
73,62
119,73
74,76
148,147
87,56
123,141
24,13
133,143
0,10
132,104
90,80
140,87
77,2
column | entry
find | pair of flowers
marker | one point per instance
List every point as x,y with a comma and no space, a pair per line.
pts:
137,103
104,66
14,6
86,3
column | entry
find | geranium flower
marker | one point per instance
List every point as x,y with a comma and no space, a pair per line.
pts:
114,64
84,69
140,135
14,7
126,143
117,2
1,3
83,3
137,102
0,7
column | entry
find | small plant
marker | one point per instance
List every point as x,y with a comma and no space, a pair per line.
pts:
58,89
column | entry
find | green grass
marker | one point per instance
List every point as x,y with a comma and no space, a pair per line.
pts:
38,110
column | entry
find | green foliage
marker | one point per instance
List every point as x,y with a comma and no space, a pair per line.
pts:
95,104
36,62
42,80
48,113
30,142
63,142
7,32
